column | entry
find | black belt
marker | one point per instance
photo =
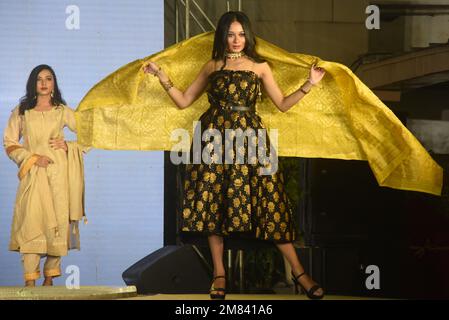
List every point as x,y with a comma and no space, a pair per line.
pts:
237,108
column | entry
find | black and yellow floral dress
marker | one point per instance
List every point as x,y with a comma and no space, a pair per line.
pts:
230,198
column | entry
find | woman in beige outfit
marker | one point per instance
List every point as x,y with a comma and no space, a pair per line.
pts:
49,201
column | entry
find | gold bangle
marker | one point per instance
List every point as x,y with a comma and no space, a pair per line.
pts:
303,91
167,84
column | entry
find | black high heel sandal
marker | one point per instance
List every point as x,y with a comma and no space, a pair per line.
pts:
310,294
216,296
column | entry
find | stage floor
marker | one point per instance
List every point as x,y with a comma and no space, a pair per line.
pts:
242,297
62,293
130,293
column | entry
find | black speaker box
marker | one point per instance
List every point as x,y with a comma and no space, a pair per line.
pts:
170,270
337,270
344,270
343,204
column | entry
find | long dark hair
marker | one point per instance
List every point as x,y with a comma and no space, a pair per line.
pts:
29,100
221,36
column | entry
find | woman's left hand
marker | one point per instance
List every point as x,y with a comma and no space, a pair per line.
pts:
316,74
58,143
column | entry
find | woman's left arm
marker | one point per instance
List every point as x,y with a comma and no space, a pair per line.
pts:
70,122
274,92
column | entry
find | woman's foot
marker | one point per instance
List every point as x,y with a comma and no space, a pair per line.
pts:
48,281
218,288
30,283
311,288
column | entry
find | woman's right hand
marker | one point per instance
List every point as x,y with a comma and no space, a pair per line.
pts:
151,68
43,161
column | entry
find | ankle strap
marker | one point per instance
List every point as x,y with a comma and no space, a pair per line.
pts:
298,276
218,277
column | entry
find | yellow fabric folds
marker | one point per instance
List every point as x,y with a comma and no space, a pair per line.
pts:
341,118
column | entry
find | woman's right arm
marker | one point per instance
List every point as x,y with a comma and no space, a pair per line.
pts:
193,92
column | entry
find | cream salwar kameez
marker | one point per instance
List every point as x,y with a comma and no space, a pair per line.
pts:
49,201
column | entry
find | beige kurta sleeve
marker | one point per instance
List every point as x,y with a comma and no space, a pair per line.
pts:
14,149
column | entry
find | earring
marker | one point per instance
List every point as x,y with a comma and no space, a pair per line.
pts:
52,94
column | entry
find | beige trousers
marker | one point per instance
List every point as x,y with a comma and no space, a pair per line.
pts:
31,266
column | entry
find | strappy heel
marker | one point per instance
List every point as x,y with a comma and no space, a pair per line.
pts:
216,296
310,293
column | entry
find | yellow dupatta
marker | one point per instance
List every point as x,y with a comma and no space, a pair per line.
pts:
341,118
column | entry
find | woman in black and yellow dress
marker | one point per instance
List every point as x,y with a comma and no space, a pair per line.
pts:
220,197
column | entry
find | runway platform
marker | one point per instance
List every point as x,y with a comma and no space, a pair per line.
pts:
62,293
130,293
237,297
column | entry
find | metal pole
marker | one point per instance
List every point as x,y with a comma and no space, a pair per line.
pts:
187,19
204,14
240,5
197,22
311,261
195,18
177,20
241,278
230,271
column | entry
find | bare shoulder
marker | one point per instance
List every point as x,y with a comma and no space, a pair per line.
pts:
209,66
262,68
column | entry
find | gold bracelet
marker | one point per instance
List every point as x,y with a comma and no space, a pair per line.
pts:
303,91
167,84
